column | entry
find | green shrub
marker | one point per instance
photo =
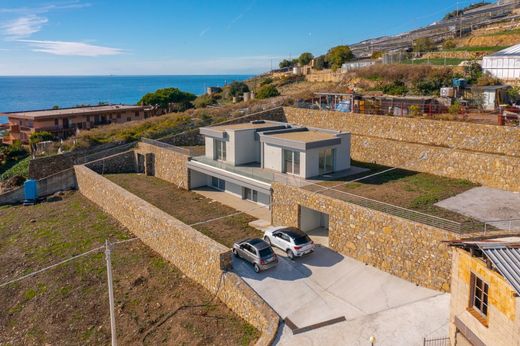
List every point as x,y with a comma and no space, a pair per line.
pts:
266,81
237,88
305,58
164,97
204,100
396,88
320,63
449,44
267,91
473,71
19,169
414,110
40,136
338,55
455,108
423,44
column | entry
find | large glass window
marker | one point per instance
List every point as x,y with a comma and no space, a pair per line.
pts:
218,183
479,295
291,162
250,194
326,160
220,150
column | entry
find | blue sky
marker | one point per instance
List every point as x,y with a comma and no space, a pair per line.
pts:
100,37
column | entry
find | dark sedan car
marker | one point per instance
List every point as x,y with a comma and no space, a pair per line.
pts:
257,252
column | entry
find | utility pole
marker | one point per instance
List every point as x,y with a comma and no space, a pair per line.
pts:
110,294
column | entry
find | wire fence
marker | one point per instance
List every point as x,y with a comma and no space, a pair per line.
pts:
437,342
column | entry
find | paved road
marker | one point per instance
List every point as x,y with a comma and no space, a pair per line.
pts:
327,285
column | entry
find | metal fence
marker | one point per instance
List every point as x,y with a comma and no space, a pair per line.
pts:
391,209
504,225
437,342
181,150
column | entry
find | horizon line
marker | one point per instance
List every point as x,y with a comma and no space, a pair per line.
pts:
131,75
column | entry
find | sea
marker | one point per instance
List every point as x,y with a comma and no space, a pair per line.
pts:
33,93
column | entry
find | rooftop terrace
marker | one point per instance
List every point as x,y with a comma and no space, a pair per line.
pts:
49,113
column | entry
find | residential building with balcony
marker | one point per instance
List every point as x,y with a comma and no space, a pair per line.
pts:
66,121
244,159
485,289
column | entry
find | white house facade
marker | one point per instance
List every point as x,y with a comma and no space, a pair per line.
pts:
244,159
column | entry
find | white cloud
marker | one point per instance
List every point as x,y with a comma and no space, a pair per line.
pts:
63,5
23,26
71,48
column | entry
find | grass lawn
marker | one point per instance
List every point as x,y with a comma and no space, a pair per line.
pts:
407,189
435,61
68,305
189,207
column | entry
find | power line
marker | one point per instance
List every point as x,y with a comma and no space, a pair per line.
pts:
62,262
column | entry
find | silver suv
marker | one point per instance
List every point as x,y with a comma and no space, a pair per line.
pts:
257,252
293,241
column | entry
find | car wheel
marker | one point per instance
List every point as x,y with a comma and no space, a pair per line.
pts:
267,240
257,268
235,252
290,254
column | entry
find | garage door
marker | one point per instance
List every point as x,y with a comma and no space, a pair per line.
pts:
311,219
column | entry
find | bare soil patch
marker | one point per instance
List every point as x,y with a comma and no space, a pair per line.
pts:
68,305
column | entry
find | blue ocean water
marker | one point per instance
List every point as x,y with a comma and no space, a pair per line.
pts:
31,93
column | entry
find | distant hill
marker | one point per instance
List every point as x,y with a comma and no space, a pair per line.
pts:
455,24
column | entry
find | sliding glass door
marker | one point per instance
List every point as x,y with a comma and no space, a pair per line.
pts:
220,150
326,161
291,162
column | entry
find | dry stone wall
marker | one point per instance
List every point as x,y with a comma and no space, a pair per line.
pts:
407,249
168,164
452,134
485,154
491,170
198,256
44,166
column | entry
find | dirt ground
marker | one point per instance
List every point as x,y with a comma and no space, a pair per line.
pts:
189,207
68,305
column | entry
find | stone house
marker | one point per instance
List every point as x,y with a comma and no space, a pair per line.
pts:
485,288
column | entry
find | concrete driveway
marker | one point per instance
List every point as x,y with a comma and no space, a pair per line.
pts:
326,285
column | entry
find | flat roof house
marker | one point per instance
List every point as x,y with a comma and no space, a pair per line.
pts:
485,289
244,159
64,122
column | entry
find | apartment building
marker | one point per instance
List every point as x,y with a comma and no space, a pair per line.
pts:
66,121
485,303
244,159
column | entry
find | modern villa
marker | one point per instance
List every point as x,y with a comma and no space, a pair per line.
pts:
244,159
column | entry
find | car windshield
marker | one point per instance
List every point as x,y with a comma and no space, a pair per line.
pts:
267,252
302,240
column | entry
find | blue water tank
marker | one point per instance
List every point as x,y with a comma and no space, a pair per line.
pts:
30,189
459,82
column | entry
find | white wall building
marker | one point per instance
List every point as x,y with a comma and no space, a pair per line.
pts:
504,64
244,159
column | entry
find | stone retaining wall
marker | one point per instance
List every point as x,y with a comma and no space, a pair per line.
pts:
118,163
452,134
44,166
485,154
196,255
404,248
491,170
167,164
